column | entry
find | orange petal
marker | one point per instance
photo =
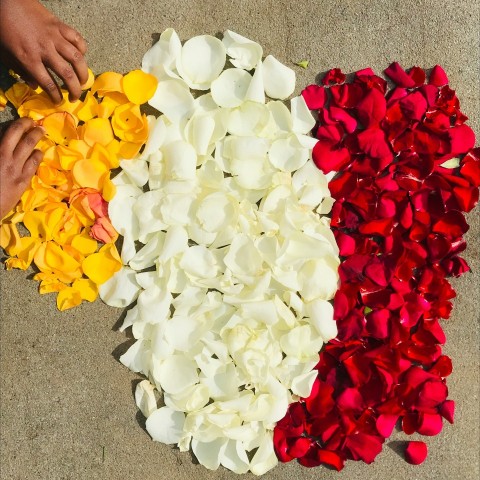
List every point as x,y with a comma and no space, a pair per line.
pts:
61,127
98,130
110,102
101,153
18,93
139,86
103,231
88,109
3,100
129,149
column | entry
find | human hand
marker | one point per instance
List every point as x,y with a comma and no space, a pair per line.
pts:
33,40
18,161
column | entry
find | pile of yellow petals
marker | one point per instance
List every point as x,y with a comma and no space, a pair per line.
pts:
65,208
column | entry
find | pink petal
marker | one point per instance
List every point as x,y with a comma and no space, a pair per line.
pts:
416,452
430,424
350,399
386,424
438,77
447,410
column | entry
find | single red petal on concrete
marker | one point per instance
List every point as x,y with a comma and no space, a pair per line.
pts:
430,424
334,76
332,459
416,452
396,73
438,77
447,410
386,424
314,96
372,108
417,74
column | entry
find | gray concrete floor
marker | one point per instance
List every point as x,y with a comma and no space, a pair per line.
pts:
67,408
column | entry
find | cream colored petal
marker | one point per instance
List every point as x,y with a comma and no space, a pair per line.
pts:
281,115
287,154
302,119
302,385
173,99
319,279
248,120
157,132
147,255
321,317
201,61
165,425
243,257
121,289
256,89
180,161
177,373
164,52
265,458
137,170
209,453
244,53
279,80
198,261
145,398
230,88
234,457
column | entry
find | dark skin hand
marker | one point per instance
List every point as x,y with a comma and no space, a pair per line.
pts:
18,161
34,41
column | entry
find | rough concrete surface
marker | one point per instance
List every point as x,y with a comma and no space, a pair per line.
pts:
67,407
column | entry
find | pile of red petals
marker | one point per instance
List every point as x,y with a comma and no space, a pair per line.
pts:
406,170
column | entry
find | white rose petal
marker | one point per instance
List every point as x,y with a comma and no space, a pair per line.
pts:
173,98
165,425
163,53
121,289
244,53
201,61
278,79
230,88
145,398
209,453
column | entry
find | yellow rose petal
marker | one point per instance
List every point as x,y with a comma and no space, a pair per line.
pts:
84,244
68,298
3,100
98,130
61,127
107,82
91,78
139,86
88,109
90,173
18,93
102,154
87,289
99,267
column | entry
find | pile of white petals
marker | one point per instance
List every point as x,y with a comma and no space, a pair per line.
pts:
227,251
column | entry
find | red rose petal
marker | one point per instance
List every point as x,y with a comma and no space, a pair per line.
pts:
386,424
332,459
314,96
438,77
417,74
372,108
334,76
398,75
447,410
462,139
430,424
363,447
416,452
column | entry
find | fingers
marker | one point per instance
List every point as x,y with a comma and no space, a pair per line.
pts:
46,82
31,165
26,145
65,71
74,38
75,58
14,134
